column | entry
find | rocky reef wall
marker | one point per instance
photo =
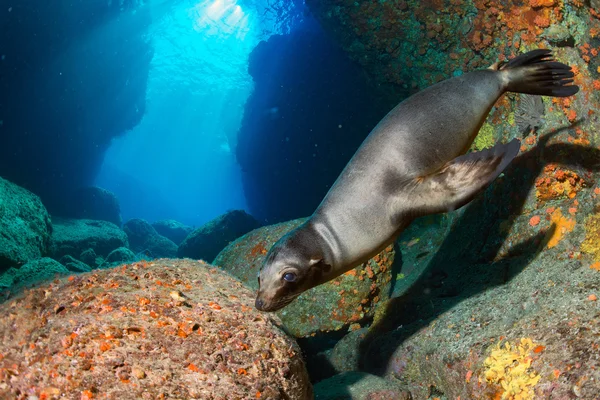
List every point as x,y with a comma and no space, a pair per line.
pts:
310,110
72,76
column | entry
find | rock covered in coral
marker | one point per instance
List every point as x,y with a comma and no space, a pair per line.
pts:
208,240
170,328
25,226
144,239
172,230
349,299
35,271
359,386
516,329
74,236
411,44
96,203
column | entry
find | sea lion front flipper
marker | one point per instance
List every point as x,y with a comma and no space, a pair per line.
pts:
459,181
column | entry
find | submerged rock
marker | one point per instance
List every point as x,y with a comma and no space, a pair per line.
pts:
35,271
207,241
74,236
122,254
359,386
521,320
194,335
25,226
96,203
144,240
74,265
349,299
346,354
172,230
90,257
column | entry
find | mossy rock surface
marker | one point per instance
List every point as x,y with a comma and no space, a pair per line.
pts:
144,240
32,273
172,230
74,236
25,226
206,242
175,329
349,299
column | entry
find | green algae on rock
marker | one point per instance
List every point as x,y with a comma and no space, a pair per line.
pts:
165,329
25,226
351,298
74,236
31,273
207,241
73,264
144,239
172,230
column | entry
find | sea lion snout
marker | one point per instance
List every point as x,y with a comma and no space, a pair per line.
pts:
271,304
259,303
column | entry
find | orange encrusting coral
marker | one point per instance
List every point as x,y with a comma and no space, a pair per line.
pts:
563,226
556,183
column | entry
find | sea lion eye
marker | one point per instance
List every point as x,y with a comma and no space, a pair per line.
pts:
289,277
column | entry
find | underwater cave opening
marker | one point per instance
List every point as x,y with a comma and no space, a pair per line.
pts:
179,162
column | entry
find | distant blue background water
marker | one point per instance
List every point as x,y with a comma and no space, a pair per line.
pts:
179,162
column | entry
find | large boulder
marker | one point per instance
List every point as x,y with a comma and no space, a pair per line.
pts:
96,203
75,236
144,240
74,265
35,271
120,255
351,298
25,226
172,230
208,240
170,328
530,336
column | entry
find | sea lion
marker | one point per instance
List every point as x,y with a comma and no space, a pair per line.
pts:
412,164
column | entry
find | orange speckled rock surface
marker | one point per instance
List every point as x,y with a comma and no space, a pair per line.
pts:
176,329
349,299
536,335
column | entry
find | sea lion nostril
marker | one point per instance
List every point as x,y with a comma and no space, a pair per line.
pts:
259,304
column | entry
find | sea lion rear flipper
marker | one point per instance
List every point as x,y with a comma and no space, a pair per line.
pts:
459,181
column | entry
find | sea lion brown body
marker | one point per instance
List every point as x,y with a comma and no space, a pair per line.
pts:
413,163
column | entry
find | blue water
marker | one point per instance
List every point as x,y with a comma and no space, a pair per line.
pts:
179,161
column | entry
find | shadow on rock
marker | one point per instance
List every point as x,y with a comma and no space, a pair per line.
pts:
471,259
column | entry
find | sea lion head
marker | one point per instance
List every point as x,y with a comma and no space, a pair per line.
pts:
293,265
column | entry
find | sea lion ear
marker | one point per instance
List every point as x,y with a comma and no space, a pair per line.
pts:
320,264
314,261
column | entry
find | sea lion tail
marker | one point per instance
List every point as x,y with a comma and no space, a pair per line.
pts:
536,72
